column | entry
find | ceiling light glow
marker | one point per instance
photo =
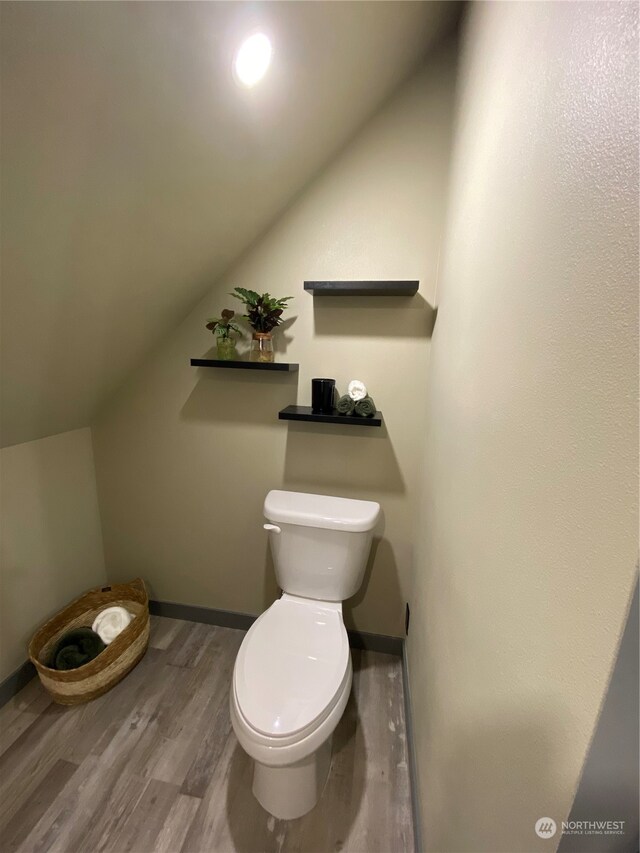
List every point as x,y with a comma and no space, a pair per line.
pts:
252,59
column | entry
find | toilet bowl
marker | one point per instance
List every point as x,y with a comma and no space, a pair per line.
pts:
291,683
292,676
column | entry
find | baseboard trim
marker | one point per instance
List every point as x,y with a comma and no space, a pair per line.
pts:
208,615
16,681
411,748
232,619
376,643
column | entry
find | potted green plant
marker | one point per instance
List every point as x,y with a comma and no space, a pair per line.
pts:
222,328
264,313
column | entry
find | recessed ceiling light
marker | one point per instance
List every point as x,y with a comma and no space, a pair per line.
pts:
253,59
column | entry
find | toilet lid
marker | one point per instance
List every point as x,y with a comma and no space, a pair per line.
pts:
291,665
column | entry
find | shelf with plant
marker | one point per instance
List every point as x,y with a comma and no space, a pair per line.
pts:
264,314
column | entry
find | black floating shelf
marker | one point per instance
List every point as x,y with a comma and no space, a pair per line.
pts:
305,413
245,365
362,288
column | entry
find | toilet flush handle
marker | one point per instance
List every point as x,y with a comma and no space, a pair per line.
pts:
273,527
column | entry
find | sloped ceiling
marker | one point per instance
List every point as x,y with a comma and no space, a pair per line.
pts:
134,170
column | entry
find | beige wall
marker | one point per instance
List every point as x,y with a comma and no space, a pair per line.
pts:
185,457
51,539
135,170
530,508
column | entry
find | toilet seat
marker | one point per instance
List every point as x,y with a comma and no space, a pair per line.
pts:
287,752
291,669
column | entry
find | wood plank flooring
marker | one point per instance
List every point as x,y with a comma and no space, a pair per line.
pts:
154,766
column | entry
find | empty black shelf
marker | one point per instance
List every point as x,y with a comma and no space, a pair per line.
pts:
304,413
245,365
362,288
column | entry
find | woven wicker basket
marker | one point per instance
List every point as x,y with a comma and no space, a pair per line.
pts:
74,686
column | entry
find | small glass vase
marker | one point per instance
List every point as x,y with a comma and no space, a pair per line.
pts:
226,349
261,347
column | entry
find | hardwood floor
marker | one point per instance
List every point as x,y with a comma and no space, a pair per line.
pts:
154,766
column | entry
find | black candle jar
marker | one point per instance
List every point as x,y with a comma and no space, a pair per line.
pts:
322,395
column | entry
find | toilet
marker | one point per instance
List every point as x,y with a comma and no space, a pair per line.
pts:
292,676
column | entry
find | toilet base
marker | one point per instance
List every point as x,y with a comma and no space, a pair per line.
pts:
293,790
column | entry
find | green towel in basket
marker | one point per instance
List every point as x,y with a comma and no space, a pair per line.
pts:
366,408
75,648
345,405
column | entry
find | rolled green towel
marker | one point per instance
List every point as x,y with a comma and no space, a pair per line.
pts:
366,408
76,648
345,405
71,658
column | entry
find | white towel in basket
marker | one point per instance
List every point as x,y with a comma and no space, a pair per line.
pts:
111,622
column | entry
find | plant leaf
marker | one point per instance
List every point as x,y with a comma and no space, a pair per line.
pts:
249,297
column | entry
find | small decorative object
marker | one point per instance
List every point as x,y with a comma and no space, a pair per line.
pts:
222,327
261,347
366,408
357,390
264,313
322,395
356,401
345,405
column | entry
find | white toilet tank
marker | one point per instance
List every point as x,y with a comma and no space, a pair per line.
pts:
320,544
